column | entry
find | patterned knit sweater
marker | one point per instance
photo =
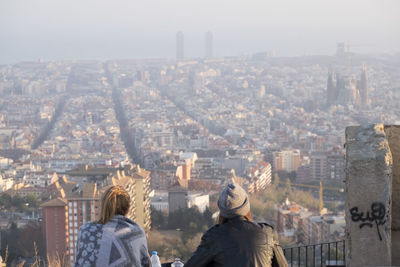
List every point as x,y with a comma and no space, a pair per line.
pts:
119,242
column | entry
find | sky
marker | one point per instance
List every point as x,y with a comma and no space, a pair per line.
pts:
118,29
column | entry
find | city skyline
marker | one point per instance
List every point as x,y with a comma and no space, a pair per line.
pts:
172,100
100,30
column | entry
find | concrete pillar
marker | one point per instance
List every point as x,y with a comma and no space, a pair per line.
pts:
368,196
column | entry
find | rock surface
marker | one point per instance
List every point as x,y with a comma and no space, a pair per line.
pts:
393,136
368,197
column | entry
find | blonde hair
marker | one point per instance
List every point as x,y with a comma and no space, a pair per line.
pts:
115,201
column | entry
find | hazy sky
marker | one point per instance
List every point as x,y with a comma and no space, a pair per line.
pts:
104,29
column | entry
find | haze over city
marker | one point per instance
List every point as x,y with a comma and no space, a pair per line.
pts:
169,103
100,29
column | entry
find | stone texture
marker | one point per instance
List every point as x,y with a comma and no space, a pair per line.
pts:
393,137
368,181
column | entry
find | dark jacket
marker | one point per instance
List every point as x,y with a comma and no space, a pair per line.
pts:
238,243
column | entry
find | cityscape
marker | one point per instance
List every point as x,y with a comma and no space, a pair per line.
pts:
176,131
297,103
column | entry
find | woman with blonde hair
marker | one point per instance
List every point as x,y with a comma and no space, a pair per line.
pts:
114,240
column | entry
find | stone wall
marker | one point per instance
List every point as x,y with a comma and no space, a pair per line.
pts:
393,137
369,196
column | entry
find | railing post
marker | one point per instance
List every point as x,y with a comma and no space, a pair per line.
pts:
291,257
298,257
344,251
313,255
306,256
329,251
321,254
336,251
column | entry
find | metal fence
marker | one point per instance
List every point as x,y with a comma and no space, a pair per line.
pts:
317,255
328,254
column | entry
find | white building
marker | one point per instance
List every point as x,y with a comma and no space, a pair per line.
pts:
5,183
201,201
159,201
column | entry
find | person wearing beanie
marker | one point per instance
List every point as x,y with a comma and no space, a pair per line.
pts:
236,240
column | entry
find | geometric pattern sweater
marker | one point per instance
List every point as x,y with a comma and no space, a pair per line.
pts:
120,242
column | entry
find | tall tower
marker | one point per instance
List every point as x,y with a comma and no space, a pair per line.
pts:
364,86
331,90
340,50
179,45
208,45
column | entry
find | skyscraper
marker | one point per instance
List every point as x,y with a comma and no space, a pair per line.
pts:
331,89
208,45
180,45
340,50
363,86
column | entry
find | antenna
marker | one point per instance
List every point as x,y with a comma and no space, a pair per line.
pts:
321,201
348,59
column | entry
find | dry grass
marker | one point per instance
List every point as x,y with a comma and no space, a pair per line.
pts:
52,261
56,262
6,256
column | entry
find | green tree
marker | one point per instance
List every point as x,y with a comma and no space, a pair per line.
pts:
158,219
207,217
19,203
292,176
288,187
276,180
33,201
5,200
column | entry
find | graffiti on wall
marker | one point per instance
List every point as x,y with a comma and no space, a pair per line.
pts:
376,215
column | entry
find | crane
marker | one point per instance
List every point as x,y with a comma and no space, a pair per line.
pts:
321,191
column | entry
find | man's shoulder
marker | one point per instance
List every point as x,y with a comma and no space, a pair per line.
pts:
214,231
265,225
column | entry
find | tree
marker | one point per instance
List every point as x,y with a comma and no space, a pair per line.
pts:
32,200
292,176
158,219
207,217
5,200
288,187
276,180
18,202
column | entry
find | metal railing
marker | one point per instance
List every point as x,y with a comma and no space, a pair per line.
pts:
317,255
328,254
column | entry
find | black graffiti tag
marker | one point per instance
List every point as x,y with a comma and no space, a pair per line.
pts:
377,214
